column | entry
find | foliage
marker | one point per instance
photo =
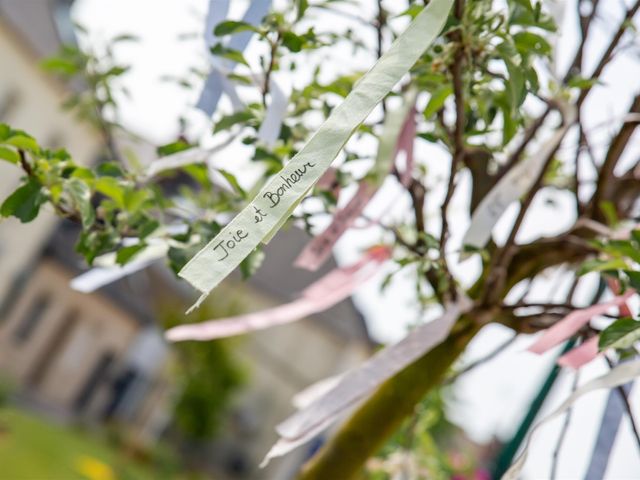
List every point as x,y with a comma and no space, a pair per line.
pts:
479,81
418,446
208,374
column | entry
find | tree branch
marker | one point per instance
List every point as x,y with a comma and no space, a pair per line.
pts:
458,137
503,258
608,54
604,185
585,26
488,357
363,434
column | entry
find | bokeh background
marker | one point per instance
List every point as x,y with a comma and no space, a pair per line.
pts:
91,390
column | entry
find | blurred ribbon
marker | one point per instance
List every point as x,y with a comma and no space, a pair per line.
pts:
615,377
217,82
98,277
398,133
331,289
588,351
569,325
355,385
405,144
274,203
609,426
581,355
515,183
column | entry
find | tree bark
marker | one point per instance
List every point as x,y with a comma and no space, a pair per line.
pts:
382,414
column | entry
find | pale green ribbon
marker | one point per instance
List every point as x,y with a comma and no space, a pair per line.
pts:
275,201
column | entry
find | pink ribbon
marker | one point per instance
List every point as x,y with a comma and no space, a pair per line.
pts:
573,322
614,286
405,144
588,351
329,181
581,355
319,249
321,295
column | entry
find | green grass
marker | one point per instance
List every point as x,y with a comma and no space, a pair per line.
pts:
32,448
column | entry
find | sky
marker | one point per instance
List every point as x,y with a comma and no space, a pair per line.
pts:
491,399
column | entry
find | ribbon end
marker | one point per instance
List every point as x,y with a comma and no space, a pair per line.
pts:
198,303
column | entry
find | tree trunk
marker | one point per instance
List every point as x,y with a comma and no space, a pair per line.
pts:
382,414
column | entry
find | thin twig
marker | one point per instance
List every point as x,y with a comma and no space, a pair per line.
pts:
545,306
608,54
380,23
576,172
529,134
507,251
24,163
585,27
616,149
268,71
490,356
457,69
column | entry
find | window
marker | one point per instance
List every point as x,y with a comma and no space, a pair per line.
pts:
28,324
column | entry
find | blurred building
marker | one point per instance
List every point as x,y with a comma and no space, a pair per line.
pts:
70,355
102,356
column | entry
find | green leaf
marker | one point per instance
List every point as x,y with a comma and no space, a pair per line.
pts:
178,257
510,124
437,100
634,279
62,66
125,37
581,82
516,84
622,334
25,202
173,147
623,248
109,169
9,155
200,173
23,142
146,226
5,132
528,17
252,263
134,199
292,41
609,211
229,121
230,27
112,188
80,194
116,71
126,254
233,181
83,173
93,243
598,265
528,42
302,7
228,53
